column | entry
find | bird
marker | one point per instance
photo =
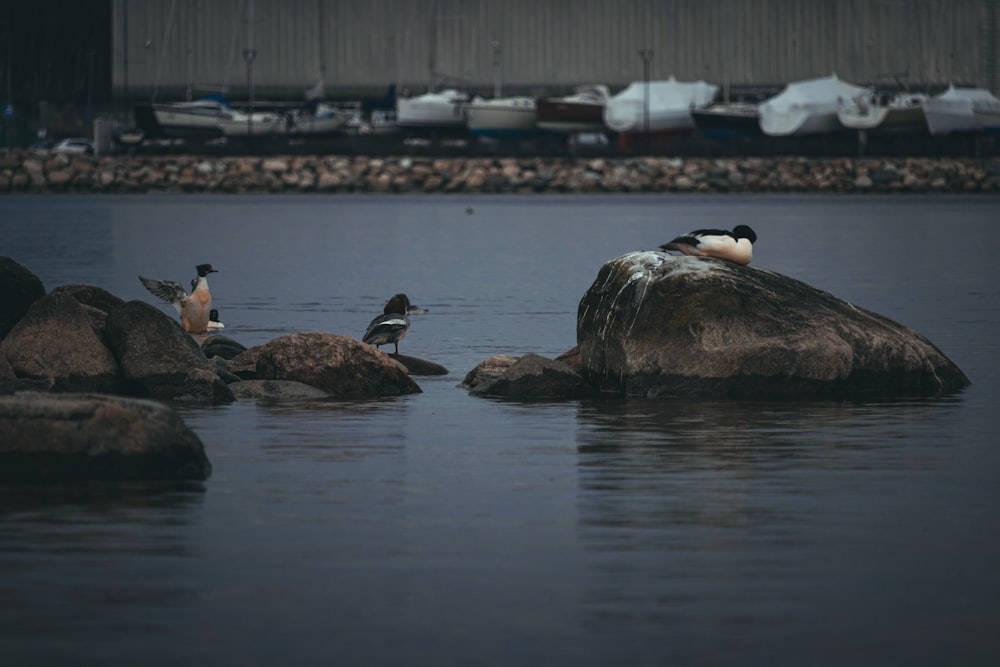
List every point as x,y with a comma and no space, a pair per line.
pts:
735,246
194,308
213,320
391,326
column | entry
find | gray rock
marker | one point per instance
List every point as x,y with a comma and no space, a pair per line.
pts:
158,359
339,365
57,338
533,377
46,437
653,324
19,288
244,364
275,390
488,369
416,366
89,295
221,346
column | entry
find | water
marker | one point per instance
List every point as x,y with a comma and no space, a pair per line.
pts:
444,529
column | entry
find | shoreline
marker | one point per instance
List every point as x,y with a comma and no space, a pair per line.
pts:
29,172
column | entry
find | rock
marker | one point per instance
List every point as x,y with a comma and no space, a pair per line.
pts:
653,324
221,368
50,437
89,295
275,390
339,365
244,364
488,370
571,358
19,288
417,366
158,359
534,377
58,338
222,346
6,372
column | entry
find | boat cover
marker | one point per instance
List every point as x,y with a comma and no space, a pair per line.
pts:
664,97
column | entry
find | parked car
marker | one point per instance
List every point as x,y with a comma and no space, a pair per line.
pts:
77,146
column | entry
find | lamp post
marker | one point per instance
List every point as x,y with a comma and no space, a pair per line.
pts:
646,55
249,55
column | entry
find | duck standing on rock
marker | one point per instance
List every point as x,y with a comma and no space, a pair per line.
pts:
390,327
735,246
194,308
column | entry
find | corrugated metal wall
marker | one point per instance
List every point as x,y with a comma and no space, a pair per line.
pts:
360,46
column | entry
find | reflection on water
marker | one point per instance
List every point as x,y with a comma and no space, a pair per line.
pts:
442,529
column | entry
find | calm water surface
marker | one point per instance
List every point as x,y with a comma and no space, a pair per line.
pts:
443,529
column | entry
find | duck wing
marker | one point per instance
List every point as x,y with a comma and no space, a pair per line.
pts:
166,290
386,329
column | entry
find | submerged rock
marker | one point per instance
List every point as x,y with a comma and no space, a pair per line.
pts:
341,366
275,390
417,366
488,369
657,325
47,437
534,377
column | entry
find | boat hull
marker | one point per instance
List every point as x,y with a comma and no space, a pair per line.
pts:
560,115
445,110
728,121
515,117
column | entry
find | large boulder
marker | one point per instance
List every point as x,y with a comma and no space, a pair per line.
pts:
90,295
158,359
341,366
533,377
19,288
47,437
58,338
653,324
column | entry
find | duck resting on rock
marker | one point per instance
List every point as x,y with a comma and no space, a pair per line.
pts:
194,308
735,246
390,327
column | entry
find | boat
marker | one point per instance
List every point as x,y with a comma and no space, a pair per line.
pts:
580,112
192,119
728,121
317,119
443,110
502,117
669,107
240,124
954,110
868,111
806,107
988,116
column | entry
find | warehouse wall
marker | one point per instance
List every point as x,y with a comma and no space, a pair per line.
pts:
358,47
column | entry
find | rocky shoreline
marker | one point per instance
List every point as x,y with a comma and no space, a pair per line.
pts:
29,172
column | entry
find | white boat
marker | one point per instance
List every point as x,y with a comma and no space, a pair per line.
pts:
669,105
903,112
580,112
441,110
502,117
806,107
238,124
191,119
988,117
954,110
317,119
